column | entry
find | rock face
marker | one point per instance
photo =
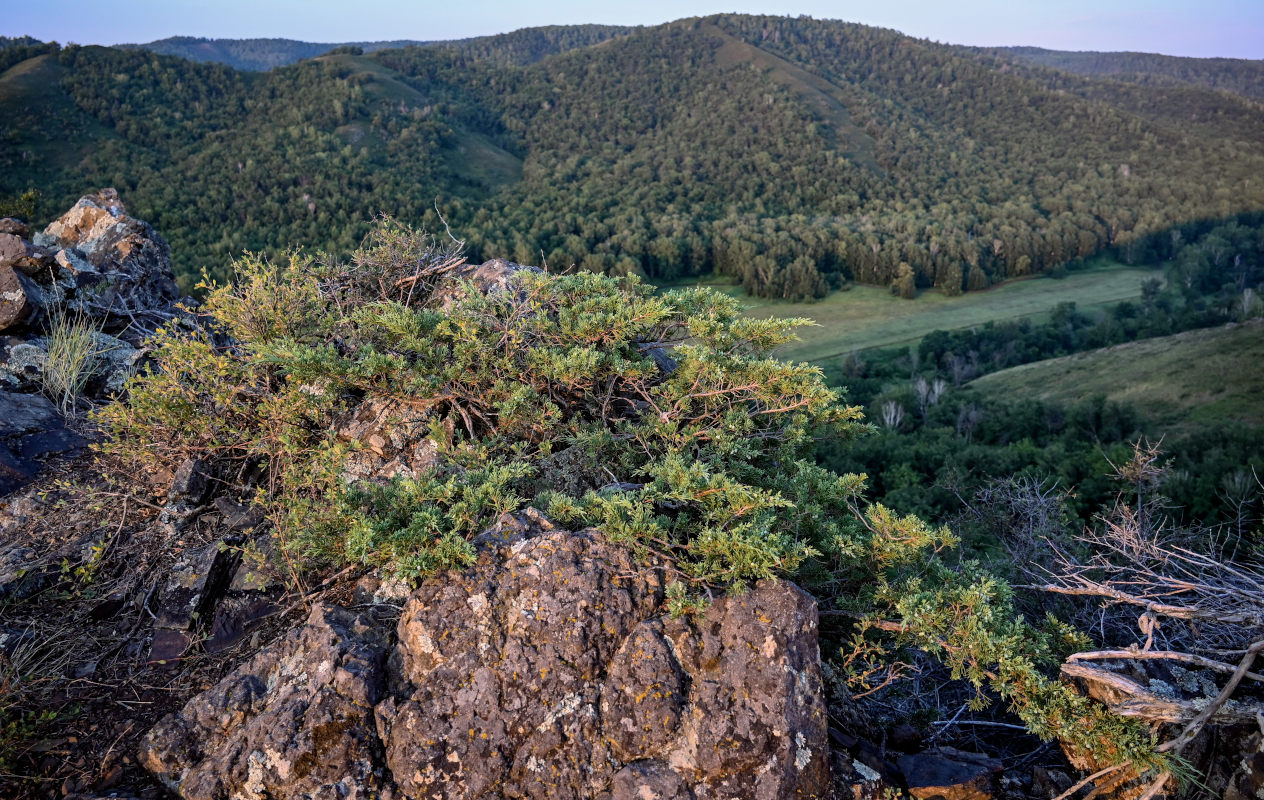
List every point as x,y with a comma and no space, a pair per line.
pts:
294,721
97,264
101,241
547,670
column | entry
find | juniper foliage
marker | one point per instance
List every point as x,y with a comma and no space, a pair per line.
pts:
660,418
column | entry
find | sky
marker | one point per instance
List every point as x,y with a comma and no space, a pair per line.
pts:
1203,28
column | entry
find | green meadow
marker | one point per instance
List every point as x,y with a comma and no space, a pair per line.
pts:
865,317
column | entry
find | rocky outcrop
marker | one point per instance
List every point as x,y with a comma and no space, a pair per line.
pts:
125,261
97,264
294,721
547,670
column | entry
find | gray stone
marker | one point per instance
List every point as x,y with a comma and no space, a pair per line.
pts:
71,260
293,722
15,304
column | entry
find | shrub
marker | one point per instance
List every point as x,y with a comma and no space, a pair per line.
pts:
659,418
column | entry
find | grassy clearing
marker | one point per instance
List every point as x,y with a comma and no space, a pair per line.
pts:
1184,381
865,317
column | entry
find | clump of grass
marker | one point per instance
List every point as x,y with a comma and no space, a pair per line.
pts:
74,351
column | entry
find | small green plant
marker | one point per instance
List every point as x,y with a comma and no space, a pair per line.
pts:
74,350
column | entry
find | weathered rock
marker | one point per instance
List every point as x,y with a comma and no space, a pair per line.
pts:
546,670
293,722
238,517
26,413
23,362
15,227
54,441
189,485
12,249
30,428
196,581
949,774
393,441
491,278
71,260
566,672
19,576
15,304
133,258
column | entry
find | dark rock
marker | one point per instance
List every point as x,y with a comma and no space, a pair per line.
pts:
109,606
855,780
21,414
649,780
547,670
15,472
189,484
15,305
195,583
293,722
39,263
1049,782
15,227
168,645
950,774
236,617
50,442
516,652
645,691
12,249
238,517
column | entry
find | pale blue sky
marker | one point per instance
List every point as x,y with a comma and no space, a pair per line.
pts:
1233,28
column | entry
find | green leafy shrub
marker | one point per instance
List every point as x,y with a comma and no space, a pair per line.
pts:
659,418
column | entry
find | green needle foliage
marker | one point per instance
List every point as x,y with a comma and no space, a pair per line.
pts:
659,418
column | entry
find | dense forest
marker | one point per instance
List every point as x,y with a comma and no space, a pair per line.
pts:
793,154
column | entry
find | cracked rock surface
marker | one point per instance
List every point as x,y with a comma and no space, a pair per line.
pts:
549,669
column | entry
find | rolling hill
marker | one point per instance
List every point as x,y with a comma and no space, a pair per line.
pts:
793,155
1197,379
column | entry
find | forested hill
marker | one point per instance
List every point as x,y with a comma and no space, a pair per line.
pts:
1239,75
254,54
795,154
520,47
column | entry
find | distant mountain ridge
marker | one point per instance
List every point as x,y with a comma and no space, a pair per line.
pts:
1239,75
523,46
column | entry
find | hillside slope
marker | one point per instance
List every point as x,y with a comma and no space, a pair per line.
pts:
791,154
1197,378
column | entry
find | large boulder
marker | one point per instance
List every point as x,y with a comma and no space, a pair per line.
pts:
549,669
